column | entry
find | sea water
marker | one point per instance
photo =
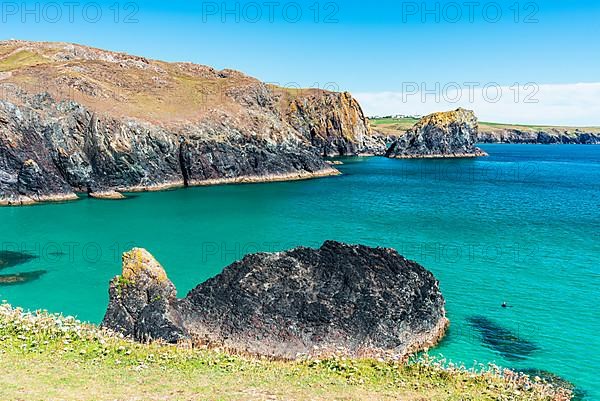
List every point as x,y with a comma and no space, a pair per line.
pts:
521,226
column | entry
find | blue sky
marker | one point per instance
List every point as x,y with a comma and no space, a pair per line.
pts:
366,48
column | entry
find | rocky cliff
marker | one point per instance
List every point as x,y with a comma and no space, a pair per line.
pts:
354,300
446,134
333,122
544,136
77,119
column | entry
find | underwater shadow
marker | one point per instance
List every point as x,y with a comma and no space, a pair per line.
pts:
20,278
502,340
11,258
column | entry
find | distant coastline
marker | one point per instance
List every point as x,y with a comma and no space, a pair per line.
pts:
503,133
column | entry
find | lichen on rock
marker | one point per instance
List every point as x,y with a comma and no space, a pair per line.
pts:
141,300
333,122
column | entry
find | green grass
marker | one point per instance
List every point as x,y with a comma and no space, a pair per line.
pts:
50,357
20,60
385,121
393,126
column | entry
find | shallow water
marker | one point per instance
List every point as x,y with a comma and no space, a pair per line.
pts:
521,226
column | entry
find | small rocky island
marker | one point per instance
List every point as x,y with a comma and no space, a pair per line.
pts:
439,135
347,299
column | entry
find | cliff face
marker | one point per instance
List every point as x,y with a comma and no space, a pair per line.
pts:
332,122
356,300
447,134
545,137
52,149
78,119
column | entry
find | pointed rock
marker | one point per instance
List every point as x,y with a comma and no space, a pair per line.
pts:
141,300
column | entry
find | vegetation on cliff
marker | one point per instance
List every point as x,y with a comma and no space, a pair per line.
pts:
79,119
51,357
502,133
444,134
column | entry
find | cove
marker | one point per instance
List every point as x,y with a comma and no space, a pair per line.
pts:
520,226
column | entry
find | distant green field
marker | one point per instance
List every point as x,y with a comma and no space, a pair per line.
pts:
391,126
379,121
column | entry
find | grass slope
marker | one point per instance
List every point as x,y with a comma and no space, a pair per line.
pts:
50,357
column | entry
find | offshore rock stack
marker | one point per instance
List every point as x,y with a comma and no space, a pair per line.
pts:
439,135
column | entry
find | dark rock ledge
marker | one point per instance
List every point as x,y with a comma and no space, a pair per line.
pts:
346,299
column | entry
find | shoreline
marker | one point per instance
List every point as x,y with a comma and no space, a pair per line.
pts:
23,200
430,339
94,357
111,194
248,179
442,156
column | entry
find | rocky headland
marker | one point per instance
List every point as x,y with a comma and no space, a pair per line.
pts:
75,119
539,135
439,135
500,133
339,299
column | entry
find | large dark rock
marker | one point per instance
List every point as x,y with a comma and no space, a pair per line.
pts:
447,134
355,300
64,148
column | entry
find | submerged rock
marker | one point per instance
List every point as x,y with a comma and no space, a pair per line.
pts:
439,135
510,345
354,300
20,278
13,258
555,380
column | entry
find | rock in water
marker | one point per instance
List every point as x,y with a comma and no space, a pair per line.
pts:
577,394
439,135
350,299
142,299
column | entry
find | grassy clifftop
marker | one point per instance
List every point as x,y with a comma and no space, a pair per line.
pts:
51,357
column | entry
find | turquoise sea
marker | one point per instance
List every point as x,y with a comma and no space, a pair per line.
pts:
521,226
